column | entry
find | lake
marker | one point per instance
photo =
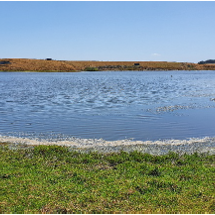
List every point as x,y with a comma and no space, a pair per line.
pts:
142,105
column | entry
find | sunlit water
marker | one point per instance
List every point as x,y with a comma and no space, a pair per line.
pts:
153,105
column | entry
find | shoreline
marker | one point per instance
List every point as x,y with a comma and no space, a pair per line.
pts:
159,147
49,65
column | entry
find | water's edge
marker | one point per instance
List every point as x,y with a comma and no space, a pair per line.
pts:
189,146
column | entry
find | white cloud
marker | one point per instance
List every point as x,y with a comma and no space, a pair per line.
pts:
156,55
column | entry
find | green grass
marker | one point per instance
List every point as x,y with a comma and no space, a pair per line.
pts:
91,69
52,179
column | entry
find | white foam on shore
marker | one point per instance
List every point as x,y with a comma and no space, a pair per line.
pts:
204,145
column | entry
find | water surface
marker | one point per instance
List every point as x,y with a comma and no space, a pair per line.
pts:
152,105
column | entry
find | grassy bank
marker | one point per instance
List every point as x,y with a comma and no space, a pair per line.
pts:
51,179
50,65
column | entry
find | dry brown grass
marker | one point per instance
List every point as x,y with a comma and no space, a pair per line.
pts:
71,66
205,66
143,65
36,65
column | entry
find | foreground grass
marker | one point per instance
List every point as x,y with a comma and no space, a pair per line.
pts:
51,179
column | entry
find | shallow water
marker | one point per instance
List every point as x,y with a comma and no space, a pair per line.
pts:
153,105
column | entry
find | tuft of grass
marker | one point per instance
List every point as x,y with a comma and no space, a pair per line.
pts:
53,179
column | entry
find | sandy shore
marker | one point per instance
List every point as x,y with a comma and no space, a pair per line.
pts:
204,145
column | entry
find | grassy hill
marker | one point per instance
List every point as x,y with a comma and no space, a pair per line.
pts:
72,66
34,65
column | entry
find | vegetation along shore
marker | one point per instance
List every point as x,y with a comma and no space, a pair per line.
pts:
54,179
50,65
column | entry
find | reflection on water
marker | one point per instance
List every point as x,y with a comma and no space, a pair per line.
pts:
108,105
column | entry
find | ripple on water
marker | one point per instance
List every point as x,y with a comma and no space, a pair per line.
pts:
110,105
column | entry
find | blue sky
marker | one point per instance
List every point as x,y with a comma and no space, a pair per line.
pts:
124,31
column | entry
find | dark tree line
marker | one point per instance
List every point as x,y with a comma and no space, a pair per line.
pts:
206,61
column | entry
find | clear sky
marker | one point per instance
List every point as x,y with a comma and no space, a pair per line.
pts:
124,31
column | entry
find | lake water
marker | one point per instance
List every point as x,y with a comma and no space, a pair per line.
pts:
154,105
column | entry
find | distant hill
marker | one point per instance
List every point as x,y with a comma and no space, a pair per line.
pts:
207,62
34,65
50,65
